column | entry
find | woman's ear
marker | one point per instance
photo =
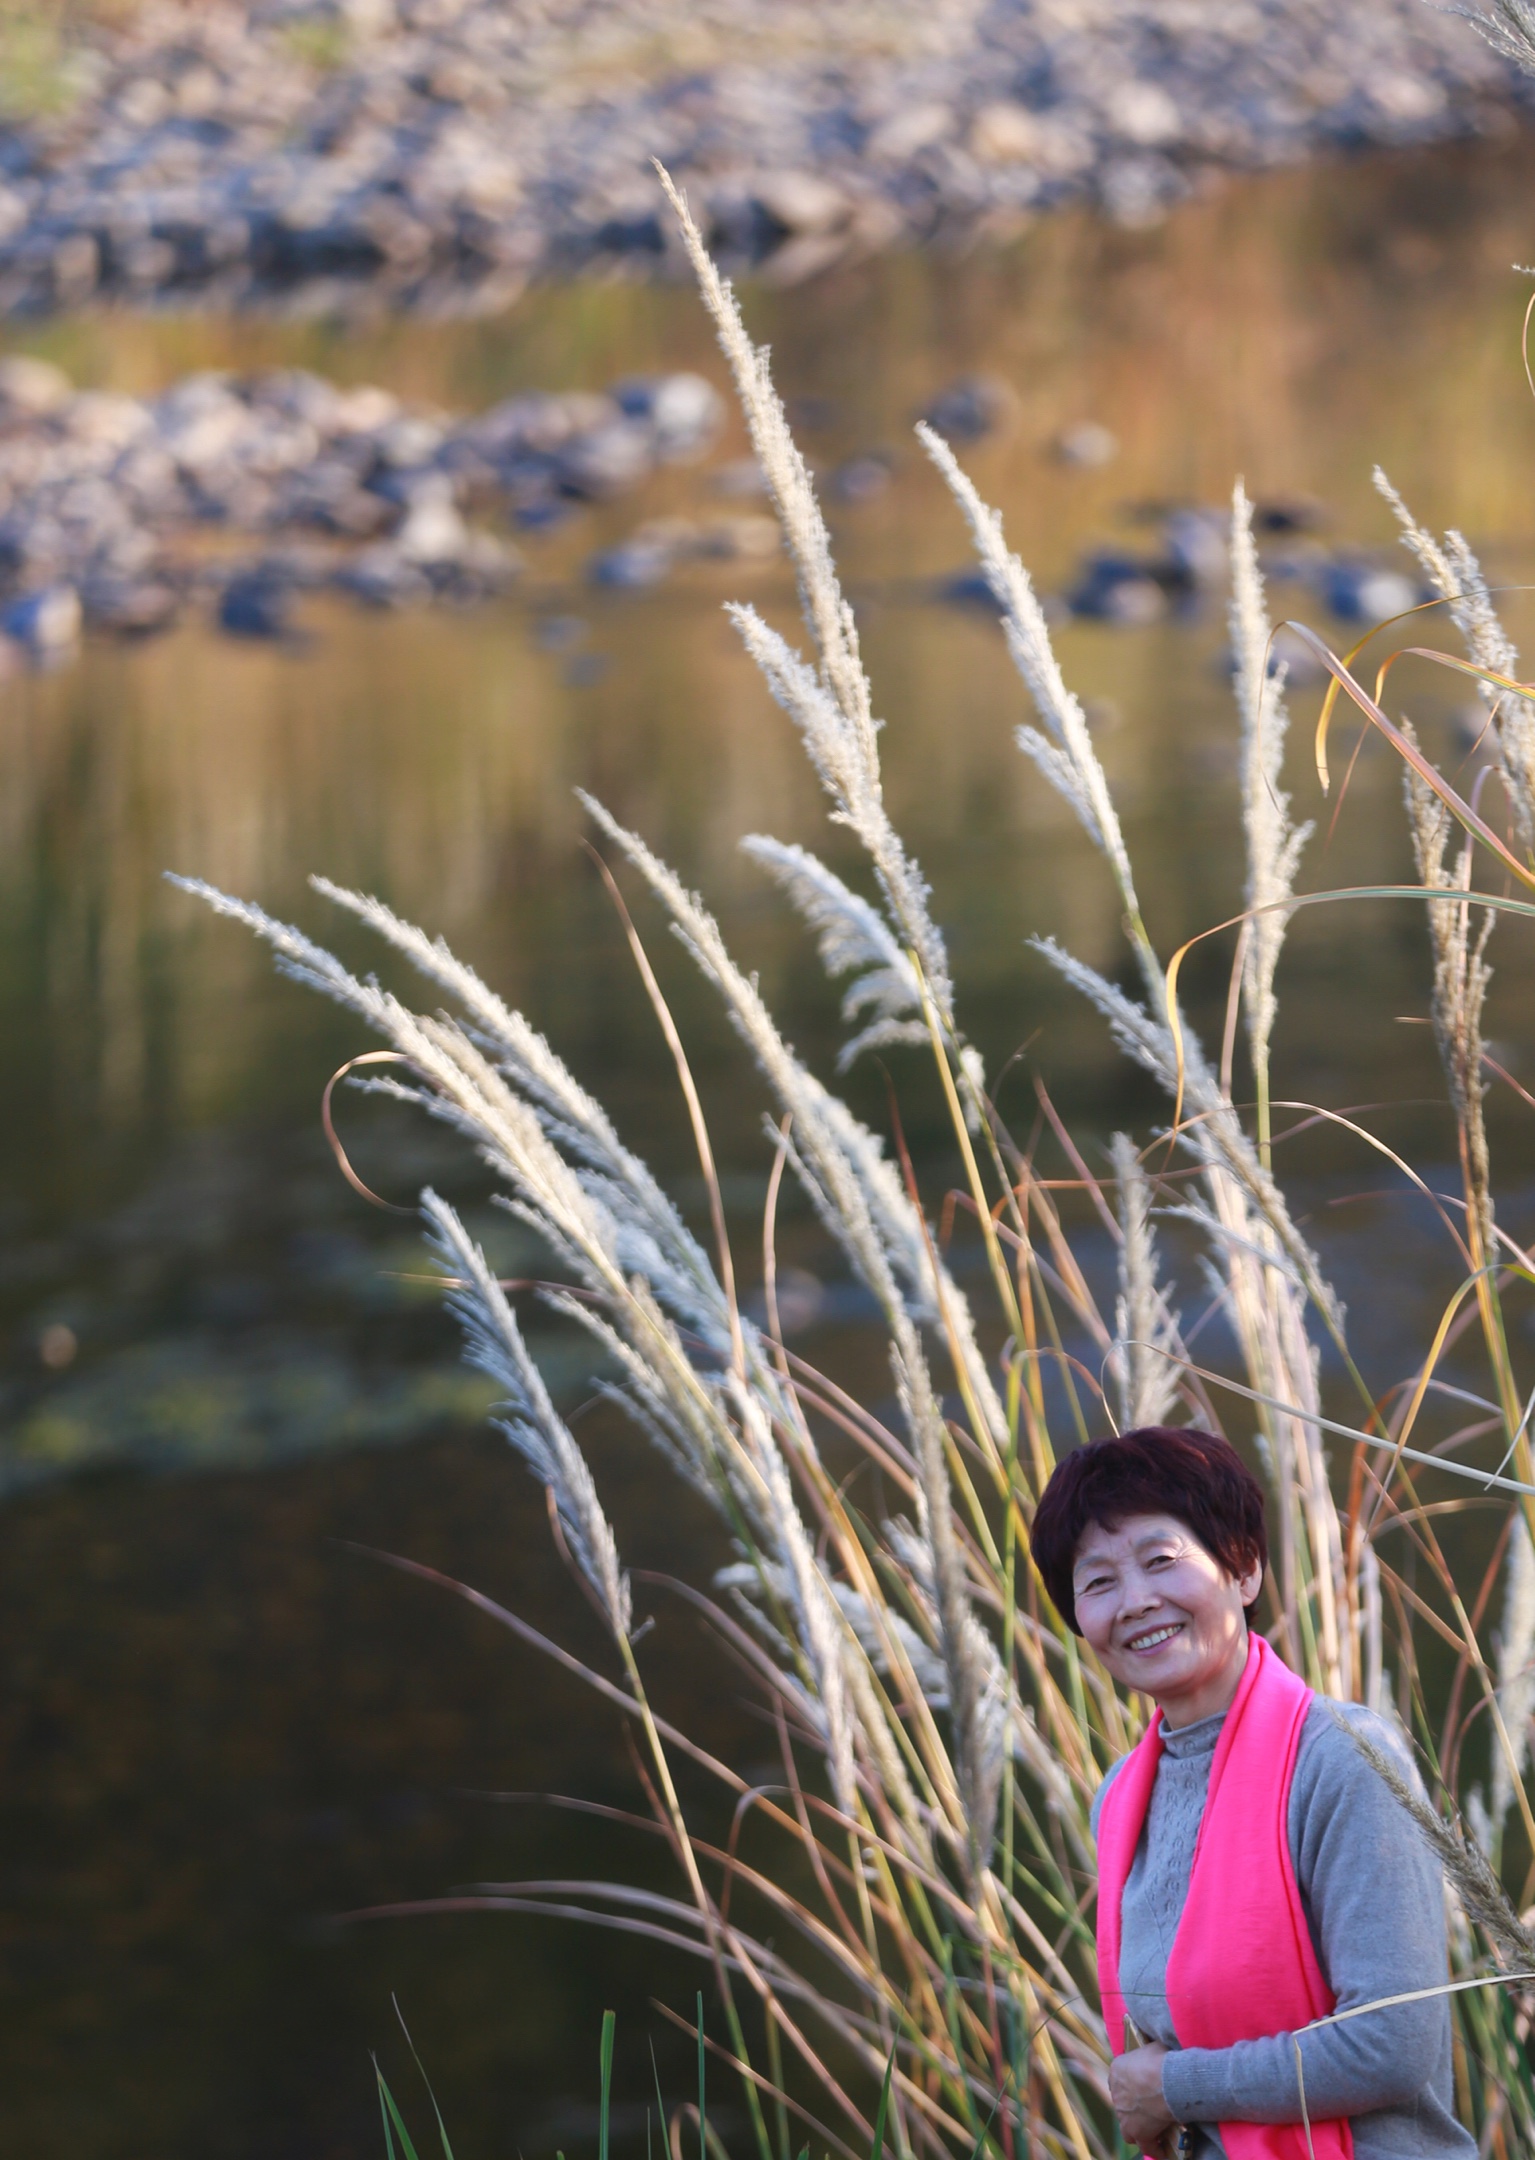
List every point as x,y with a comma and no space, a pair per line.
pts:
1250,1582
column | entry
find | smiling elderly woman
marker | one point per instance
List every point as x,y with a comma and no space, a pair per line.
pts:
1255,1874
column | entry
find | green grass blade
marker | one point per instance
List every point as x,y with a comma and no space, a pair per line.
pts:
605,2057
979,2146
877,2148
442,2128
392,2114
383,2109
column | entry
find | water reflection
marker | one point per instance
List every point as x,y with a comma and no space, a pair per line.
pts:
218,1726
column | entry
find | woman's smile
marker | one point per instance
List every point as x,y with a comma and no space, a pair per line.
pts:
1154,1638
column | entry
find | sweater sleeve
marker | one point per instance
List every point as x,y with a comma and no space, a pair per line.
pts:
1374,1899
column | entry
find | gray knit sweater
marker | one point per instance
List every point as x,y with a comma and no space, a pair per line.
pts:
1374,1901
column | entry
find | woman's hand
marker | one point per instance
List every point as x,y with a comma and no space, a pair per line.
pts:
1135,2087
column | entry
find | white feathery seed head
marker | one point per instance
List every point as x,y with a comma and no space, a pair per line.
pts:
822,1636
1509,29
831,705
493,1344
847,764
1455,573
1145,1330
1273,844
1064,753
827,613
841,1165
1462,978
853,939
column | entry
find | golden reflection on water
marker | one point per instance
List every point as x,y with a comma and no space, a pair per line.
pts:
1294,329
163,1189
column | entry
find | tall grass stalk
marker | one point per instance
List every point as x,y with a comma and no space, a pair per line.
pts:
914,1909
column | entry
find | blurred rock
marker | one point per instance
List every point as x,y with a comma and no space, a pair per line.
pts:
859,479
1087,444
381,577
30,388
968,408
743,476
906,133
130,607
432,532
1005,134
1196,546
1055,145
46,623
604,460
1137,192
364,411
407,442
1143,113
969,588
804,257
1117,588
560,633
1359,591
684,413
800,202
256,606
1293,514
739,539
482,567
634,565
101,421
74,267
542,513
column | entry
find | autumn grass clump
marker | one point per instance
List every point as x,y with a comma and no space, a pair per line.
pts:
914,1908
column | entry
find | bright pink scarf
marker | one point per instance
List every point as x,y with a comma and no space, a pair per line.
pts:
1242,1965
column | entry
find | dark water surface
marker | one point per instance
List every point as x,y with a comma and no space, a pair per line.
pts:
220,1726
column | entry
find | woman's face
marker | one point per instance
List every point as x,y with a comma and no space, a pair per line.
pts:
1163,1614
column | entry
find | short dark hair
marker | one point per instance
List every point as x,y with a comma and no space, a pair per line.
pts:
1154,1470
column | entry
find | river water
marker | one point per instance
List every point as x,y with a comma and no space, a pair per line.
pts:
221,1726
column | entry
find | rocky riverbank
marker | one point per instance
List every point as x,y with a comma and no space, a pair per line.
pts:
236,494
436,154
227,498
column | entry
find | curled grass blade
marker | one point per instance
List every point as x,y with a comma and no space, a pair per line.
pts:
1497,902
1429,773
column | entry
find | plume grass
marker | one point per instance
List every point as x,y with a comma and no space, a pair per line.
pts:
903,1949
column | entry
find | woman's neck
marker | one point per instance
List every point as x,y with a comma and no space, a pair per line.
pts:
1212,1697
